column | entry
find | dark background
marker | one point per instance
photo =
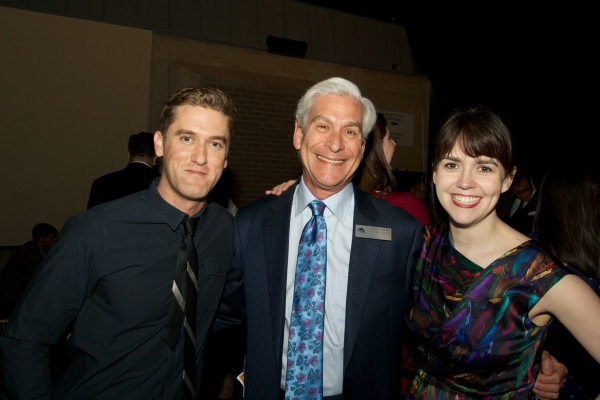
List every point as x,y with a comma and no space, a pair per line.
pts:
531,64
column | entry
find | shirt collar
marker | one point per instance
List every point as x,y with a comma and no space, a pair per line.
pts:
141,162
338,203
171,215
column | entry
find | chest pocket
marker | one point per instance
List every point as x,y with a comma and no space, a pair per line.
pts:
212,273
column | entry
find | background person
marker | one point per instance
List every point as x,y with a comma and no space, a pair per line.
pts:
375,175
21,266
522,211
565,223
135,177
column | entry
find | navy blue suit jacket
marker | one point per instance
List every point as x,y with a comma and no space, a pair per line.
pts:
375,302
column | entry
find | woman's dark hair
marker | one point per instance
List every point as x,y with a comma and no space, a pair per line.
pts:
479,132
374,172
565,218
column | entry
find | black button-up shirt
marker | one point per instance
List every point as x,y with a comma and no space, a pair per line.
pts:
110,273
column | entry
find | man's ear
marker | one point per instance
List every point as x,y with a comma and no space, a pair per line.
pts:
128,156
298,136
158,143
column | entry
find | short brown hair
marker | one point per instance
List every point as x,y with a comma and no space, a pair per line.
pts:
479,132
207,97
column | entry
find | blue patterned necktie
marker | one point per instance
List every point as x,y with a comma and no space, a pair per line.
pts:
304,377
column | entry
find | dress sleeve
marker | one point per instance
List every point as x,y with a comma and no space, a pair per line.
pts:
544,272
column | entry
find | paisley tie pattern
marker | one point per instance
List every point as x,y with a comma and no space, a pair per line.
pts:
304,377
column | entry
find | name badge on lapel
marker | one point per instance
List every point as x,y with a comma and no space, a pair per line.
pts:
373,232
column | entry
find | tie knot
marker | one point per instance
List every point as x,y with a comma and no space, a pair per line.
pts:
189,225
317,207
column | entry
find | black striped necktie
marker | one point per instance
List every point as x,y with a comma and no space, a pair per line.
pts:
183,306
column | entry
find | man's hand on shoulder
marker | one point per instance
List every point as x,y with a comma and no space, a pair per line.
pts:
551,378
279,189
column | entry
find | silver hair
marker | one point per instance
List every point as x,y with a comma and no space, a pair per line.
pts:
342,87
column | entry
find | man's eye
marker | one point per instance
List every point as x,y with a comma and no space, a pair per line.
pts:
217,144
450,165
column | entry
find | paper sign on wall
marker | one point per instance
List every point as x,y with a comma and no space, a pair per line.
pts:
401,126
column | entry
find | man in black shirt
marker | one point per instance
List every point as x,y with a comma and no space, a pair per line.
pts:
112,269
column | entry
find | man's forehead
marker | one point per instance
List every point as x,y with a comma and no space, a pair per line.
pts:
193,112
324,105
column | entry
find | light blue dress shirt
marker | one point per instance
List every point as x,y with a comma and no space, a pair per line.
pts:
339,217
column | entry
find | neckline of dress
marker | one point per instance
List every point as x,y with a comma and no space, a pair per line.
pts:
464,260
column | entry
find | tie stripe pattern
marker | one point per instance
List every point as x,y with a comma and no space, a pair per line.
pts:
304,376
183,306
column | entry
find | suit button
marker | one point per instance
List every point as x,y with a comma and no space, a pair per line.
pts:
162,392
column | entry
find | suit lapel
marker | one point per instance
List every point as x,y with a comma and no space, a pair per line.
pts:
362,255
275,241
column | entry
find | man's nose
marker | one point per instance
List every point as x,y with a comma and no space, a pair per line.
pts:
334,141
199,154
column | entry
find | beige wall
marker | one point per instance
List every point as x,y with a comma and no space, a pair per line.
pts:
265,88
71,93
331,35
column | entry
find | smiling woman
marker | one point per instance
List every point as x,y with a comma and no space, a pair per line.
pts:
475,310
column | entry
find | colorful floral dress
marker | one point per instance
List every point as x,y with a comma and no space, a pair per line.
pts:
471,323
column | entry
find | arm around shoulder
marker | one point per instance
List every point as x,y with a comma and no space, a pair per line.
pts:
577,307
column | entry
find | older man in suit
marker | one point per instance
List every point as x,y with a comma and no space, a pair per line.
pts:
339,336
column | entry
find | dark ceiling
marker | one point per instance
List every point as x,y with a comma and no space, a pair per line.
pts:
525,62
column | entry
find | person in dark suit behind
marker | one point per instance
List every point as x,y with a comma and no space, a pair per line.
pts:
523,208
19,269
370,248
136,177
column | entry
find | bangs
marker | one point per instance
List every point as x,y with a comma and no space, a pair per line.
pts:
478,134
475,145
